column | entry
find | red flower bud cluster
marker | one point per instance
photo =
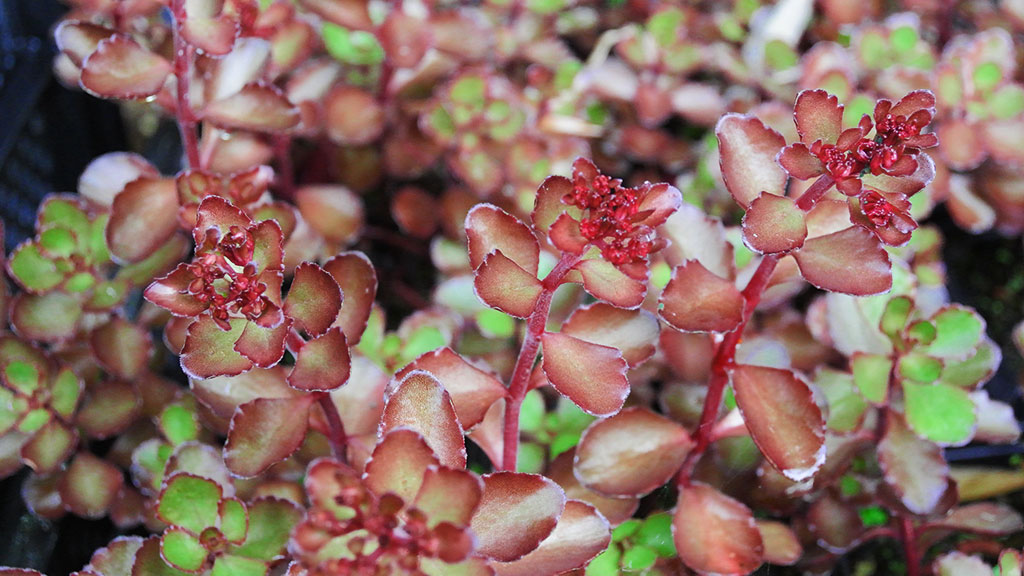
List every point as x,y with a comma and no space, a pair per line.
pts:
225,277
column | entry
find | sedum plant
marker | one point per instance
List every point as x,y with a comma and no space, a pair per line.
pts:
515,288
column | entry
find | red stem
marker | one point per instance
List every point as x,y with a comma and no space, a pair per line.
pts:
724,358
910,551
337,437
282,150
815,192
182,59
519,385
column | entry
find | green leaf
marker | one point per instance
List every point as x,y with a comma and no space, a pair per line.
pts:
919,367
564,442
229,565
779,55
871,516
234,520
940,413
531,414
65,391
873,50
903,39
545,6
625,530
664,26
183,550
987,76
34,271
871,376
531,458
895,316
974,370
496,324
639,558
606,563
958,331
179,424
423,340
469,90
22,377
190,502
80,282
845,406
656,534
1007,101
270,524
352,47
57,241
34,420
921,332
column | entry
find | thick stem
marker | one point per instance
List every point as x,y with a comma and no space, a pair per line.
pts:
336,436
182,62
910,551
724,358
519,385
815,192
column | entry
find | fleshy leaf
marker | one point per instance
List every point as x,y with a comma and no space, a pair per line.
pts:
90,485
435,500
49,447
322,364
591,375
143,217
871,375
635,333
958,331
266,431
988,518
716,534
121,68
490,228
314,299
913,468
653,446
32,270
349,129
50,317
941,413
234,520
581,534
747,151
421,403
358,281
516,513
773,224
819,116
264,347
256,107
108,408
850,261
604,281
781,545
171,293
210,351
183,550
786,424
398,464
548,205
504,285
335,212
190,502
121,347
846,407
696,300
231,565
472,390
148,561
270,523
960,564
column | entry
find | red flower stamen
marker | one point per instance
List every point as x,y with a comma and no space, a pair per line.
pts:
611,219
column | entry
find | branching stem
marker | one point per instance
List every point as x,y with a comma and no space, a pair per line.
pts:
527,354
336,428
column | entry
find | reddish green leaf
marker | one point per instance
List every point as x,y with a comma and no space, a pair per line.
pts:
212,35
581,534
435,500
120,68
345,128
49,447
913,468
106,175
398,464
773,224
121,347
608,444
117,557
591,375
321,364
819,116
987,518
503,285
695,300
257,107
472,390
210,351
516,513
264,347
835,524
421,403
871,375
108,408
314,299
635,333
781,545
846,407
548,206
958,330
715,533
354,273
604,281
850,261
143,217
90,485
148,561
202,460
183,550
335,212
799,162
171,293
616,510
225,393
266,431
490,228
786,424
747,151
78,39
32,270
47,318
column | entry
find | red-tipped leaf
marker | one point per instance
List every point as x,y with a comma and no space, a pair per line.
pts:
696,300
421,403
716,534
516,513
266,431
591,375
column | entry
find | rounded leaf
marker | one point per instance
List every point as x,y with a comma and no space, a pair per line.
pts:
347,128
121,347
631,453
398,464
851,261
785,422
257,107
504,285
581,534
472,390
913,468
335,212
516,513
773,224
314,299
121,68
747,150
715,533
941,413
266,431
142,218
321,364
490,228
421,403
591,375
634,332
696,300
90,485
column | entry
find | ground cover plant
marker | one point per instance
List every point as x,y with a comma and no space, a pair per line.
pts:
523,287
